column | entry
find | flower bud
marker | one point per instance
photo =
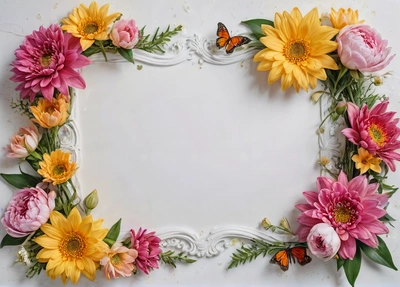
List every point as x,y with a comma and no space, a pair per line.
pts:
341,108
266,223
285,223
91,201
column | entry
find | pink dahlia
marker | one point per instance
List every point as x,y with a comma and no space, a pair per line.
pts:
46,61
148,248
352,208
375,130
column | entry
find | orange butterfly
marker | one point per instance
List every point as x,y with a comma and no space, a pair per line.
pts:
226,41
286,256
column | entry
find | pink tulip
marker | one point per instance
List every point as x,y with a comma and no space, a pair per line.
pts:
125,34
361,48
23,143
29,209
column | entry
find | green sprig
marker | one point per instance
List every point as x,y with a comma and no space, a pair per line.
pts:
168,257
156,43
249,253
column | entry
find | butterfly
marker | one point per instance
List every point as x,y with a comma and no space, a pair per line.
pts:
289,255
225,40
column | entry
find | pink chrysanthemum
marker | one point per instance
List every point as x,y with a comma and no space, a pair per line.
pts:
375,130
148,248
46,61
352,208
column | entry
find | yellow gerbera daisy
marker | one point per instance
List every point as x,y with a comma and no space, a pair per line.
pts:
297,50
49,114
56,167
72,246
89,24
366,161
342,17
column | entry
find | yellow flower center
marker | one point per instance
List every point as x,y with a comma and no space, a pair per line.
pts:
59,169
324,160
45,60
73,246
377,134
296,51
342,213
90,28
116,260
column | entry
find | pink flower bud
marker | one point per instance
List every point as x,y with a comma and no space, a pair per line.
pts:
24,142
323,241
125,34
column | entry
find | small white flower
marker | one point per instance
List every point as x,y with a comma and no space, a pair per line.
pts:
23,256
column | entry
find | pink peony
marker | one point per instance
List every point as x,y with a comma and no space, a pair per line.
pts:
148,248
46,61
125,34
375,131
118,261
352,208
29,209
323,241
361,48
23,143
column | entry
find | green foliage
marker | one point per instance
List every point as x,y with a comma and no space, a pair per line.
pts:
249,253
8,240
255,26
155,43
21,180
168,257
352,267
113,233
380,254
127,54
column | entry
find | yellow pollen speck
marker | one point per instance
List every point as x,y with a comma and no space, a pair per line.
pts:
324,160
296,51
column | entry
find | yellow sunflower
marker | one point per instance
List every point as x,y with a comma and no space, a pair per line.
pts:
72,246
56,167
297,50
89,24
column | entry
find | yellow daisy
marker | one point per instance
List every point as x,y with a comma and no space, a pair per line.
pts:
297,50
56,167
342,18
365,161
72,246
89,24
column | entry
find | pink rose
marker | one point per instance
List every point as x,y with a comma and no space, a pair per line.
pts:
323,241
24,142
29,209
125,34
361,48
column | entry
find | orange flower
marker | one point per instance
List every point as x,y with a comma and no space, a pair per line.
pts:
56,167
49,114
343,18
365,161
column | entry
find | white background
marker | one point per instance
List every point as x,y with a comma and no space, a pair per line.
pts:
194,145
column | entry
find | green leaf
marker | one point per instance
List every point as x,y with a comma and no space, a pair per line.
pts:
21,180
127,54
352,267
255,26
94,49
339,263
8,240
387,218
380,254
113,233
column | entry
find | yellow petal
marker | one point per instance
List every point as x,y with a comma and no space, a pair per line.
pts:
47,242
75,219
273,43
86,43
51,231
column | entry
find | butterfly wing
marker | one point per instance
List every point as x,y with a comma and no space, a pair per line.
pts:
223,36
235,42
281,258
300,254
